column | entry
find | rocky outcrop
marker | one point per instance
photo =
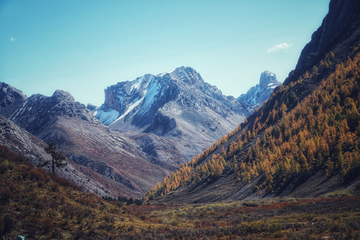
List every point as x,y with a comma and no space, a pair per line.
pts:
177,105
10,98
22,142
160,151
256,95
339,33
38,111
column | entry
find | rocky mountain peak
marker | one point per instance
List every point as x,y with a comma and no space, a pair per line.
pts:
10,99
146,95
268,78
256,95
60,95
36,111
103,161
188,75
179,105
9,94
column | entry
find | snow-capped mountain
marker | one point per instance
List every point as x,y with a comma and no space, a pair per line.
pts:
256,95
178,105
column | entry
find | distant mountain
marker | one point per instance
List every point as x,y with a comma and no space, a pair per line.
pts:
179,106
303,142
110,164
255,97
155,124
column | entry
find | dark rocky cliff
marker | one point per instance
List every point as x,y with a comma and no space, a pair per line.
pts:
339,33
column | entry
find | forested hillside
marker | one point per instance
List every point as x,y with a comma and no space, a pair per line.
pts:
288,140
304,142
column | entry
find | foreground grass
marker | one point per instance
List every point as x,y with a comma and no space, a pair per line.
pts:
265,219
39,205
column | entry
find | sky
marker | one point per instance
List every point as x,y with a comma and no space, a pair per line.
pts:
84,46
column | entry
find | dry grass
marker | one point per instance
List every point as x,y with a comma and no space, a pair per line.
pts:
41,206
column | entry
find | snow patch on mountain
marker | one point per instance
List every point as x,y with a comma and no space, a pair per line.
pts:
130,109
152,90
256,95
107,117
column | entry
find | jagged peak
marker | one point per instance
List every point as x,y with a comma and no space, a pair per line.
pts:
186,74
61,95
178,69
267,74
267,78
256,95
6,89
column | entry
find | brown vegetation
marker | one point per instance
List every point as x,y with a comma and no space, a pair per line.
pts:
42,205
291,140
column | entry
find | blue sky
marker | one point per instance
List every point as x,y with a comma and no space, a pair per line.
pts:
83,46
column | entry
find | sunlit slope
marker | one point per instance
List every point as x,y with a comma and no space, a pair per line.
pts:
286,142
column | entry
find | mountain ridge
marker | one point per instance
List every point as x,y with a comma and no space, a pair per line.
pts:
178,105
99,154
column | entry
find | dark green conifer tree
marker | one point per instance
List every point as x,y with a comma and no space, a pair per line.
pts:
58,158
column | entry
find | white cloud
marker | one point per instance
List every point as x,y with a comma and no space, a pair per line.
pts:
12,39
278,47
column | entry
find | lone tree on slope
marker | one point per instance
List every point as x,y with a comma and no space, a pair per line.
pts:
58,158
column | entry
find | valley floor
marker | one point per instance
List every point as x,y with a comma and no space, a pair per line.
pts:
289,218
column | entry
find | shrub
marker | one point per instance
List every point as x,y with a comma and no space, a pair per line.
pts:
174,222
47,224
3,168
255,188
278,234
25,173
259,226
64,182
36,175
8,224
54,186
5,194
